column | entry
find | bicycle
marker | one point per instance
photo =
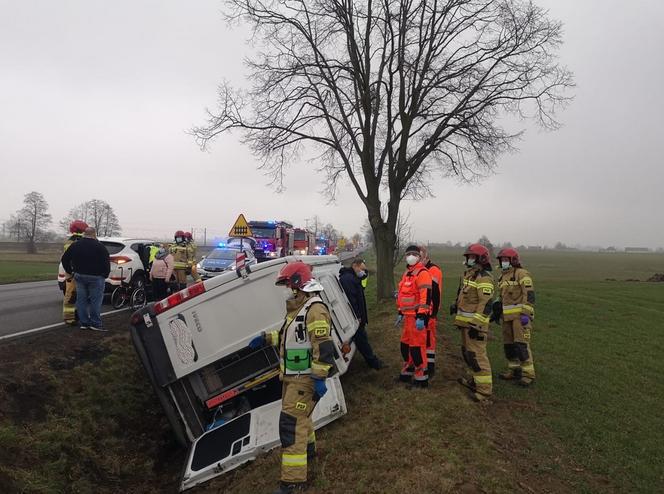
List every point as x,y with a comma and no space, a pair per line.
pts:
128,293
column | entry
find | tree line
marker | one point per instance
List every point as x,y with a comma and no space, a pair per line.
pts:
30,223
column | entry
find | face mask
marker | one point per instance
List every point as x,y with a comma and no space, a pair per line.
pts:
411,260
505,265
361,274
471,262
288,294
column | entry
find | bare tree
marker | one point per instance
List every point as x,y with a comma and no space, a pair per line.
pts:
391,93
33,219
98,214
484,240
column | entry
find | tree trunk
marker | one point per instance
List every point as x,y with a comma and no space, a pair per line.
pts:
384,241
32,246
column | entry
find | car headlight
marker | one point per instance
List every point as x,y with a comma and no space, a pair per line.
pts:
199,267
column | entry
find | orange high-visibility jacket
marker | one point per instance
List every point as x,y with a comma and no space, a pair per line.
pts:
414,296
437,287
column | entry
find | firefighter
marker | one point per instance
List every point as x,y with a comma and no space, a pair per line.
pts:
191,256
517,307
471,312
306,355
436,299
76,228
414,304
179,252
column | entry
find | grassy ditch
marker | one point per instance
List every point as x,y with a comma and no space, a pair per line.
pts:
77,413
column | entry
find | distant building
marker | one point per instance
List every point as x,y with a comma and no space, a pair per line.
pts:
636,249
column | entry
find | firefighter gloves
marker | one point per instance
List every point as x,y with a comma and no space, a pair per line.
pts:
257,342
319,389
524,320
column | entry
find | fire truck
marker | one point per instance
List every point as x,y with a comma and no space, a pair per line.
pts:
303,242
273,239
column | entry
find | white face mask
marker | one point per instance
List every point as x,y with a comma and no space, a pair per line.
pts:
470,262
505,265
288,294
411,260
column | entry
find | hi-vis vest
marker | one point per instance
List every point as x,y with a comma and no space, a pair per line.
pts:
179,252
296,356
408,296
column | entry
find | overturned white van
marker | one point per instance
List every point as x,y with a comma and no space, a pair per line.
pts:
222,398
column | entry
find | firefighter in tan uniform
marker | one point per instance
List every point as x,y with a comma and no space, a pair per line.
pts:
180,258
471,315
76,228
306,353
517,307
191,256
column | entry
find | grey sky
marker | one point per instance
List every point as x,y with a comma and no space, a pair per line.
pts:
96,97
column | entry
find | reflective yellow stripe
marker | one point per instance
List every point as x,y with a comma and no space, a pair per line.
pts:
294,460
529,308
513,365
461,318
321,367
469,283
512,310
503,284
317,325
483,285
483,379
481,318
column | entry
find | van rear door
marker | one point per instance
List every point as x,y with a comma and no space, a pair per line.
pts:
245,437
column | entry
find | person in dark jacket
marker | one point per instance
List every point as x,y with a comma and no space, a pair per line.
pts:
351,281
89,262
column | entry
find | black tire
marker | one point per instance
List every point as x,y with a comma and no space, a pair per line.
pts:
138,280
119,297
138,298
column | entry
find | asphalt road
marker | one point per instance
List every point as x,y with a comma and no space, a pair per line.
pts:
26,306
31,305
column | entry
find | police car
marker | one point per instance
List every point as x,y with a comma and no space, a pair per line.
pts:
223,259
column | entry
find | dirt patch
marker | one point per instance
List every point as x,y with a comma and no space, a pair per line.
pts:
91,352
658,277
25,400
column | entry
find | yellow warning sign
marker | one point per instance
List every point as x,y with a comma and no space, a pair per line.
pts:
240,228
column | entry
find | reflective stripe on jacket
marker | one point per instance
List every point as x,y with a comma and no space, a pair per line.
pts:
475,293
517,293
414,295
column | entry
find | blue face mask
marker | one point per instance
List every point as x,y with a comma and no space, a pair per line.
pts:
361,274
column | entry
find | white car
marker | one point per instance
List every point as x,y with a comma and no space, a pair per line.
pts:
129,261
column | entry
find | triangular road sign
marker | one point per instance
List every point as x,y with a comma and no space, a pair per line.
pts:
240,228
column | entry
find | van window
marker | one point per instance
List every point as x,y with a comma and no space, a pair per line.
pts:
113,247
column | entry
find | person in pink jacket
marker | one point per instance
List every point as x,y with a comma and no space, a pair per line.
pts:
160,274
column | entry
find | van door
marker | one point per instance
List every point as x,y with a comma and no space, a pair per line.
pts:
245,437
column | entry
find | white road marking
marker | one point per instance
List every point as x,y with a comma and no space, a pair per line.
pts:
51,326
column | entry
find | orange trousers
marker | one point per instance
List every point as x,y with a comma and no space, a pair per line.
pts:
413,351
432,329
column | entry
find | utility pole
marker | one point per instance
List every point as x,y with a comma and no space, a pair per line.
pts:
205,236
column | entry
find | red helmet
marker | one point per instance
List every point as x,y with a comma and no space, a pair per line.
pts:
179,233
480,251
77,226
294,275
511,254
188,235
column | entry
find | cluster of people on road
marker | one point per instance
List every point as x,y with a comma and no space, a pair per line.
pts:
87,265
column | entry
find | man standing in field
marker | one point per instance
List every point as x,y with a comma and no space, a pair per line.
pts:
471,315
436,299
517,305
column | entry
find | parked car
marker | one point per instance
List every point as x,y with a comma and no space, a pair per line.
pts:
129,261
221,397
223,259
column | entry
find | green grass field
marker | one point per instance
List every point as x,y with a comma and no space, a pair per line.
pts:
18,266
74,407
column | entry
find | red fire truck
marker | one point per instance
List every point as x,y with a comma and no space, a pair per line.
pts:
273,239
304,243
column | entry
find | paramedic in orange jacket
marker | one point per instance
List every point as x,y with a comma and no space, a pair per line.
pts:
436,300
